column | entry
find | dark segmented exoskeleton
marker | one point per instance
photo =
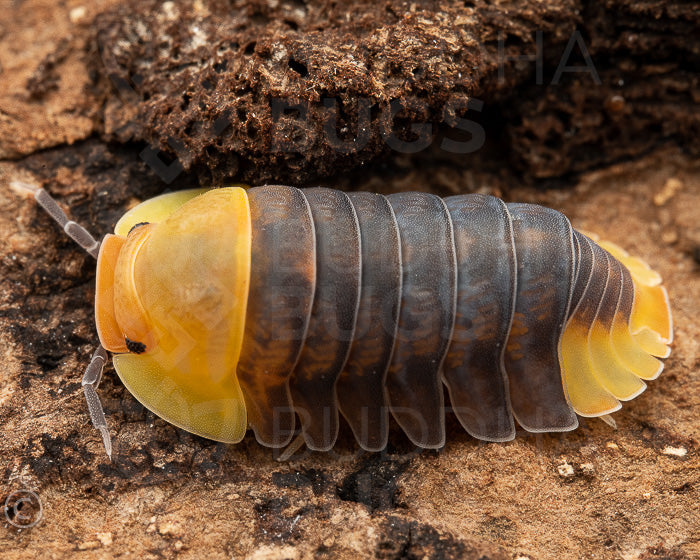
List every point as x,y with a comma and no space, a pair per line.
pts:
367,304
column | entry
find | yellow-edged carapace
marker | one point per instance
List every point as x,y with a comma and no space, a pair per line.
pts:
277,309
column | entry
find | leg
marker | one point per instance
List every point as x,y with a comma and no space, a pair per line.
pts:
90,382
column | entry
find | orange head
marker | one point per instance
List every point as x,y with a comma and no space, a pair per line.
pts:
171,301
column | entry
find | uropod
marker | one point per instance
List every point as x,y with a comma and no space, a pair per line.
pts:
278,309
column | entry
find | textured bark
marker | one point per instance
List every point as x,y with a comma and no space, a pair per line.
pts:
267,91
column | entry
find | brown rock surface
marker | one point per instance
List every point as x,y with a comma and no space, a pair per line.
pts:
47,95
629,493
285,91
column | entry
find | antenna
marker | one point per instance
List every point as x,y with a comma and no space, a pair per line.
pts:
75,231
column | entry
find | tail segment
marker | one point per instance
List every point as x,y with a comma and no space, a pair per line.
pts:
618,327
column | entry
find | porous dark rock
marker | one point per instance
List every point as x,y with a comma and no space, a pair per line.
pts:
285,91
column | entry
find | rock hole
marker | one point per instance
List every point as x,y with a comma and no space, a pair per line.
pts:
227,46
294,112
395,69
298,67
251,130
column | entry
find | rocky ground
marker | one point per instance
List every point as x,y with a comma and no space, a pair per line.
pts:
620,158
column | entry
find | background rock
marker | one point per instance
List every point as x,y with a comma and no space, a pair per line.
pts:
285,91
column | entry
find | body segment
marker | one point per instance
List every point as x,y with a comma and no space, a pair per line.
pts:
426,316
545,275
474,370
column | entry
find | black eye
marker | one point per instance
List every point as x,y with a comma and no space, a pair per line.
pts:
137,225
133,346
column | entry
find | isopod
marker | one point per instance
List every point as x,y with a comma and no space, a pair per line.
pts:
228,309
